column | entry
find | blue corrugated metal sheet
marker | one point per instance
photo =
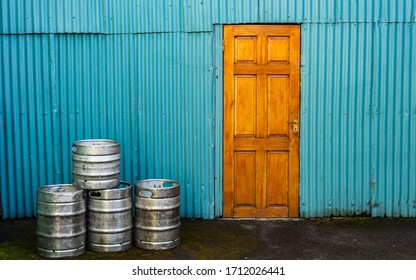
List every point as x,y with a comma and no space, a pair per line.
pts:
358,120
201,15
149,74
155,99
141,16
337,11
94,16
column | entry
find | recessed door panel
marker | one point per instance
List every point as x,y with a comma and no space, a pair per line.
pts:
245,174
278,104
277,178
278,49
246,49
245,105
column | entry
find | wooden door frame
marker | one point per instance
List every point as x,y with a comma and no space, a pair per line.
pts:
218,40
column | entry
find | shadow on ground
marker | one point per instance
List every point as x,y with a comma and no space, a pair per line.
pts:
300,239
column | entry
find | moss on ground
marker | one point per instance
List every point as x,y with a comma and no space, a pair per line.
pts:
329,238
200,240
17,250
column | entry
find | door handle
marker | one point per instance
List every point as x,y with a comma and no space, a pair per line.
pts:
295,126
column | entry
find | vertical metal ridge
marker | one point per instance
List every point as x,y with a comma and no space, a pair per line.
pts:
6,194
3,166
218,114
411,112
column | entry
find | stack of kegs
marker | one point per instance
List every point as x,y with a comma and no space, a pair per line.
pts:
96,169
96,210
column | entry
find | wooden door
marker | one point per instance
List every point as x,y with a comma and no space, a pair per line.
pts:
261,120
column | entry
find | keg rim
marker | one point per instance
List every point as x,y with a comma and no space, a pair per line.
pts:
164,245
95,147
60,193
102,184
89,142
106,248
140,183
148,189
123,190
55,254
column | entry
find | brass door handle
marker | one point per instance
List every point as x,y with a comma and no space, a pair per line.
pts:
295,126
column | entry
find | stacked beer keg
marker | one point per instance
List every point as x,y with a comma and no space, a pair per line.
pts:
96,169
60,230
96,210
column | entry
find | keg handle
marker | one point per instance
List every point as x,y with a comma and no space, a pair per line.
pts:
95,194
168,184
146,193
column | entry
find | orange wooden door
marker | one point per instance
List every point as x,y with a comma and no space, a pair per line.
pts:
261,113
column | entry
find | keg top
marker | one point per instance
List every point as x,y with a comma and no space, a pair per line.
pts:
121,191
96,147
60,193
157,188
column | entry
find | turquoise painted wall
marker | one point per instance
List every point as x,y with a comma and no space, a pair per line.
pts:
149,75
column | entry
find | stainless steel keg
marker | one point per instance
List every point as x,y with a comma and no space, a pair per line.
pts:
61,229
96,164
157,221
109,219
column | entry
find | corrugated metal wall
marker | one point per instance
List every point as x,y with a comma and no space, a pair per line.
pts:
358,120
149,74
155,99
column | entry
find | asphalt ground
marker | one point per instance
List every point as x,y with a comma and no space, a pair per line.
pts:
223,239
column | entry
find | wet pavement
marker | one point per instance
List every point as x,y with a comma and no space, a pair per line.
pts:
283,239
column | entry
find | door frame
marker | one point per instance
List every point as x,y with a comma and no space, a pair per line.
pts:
218,37
218,57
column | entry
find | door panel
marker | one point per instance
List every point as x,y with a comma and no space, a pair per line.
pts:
246,49
245,170
261,102
278,109
278,48
245,97
277,178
